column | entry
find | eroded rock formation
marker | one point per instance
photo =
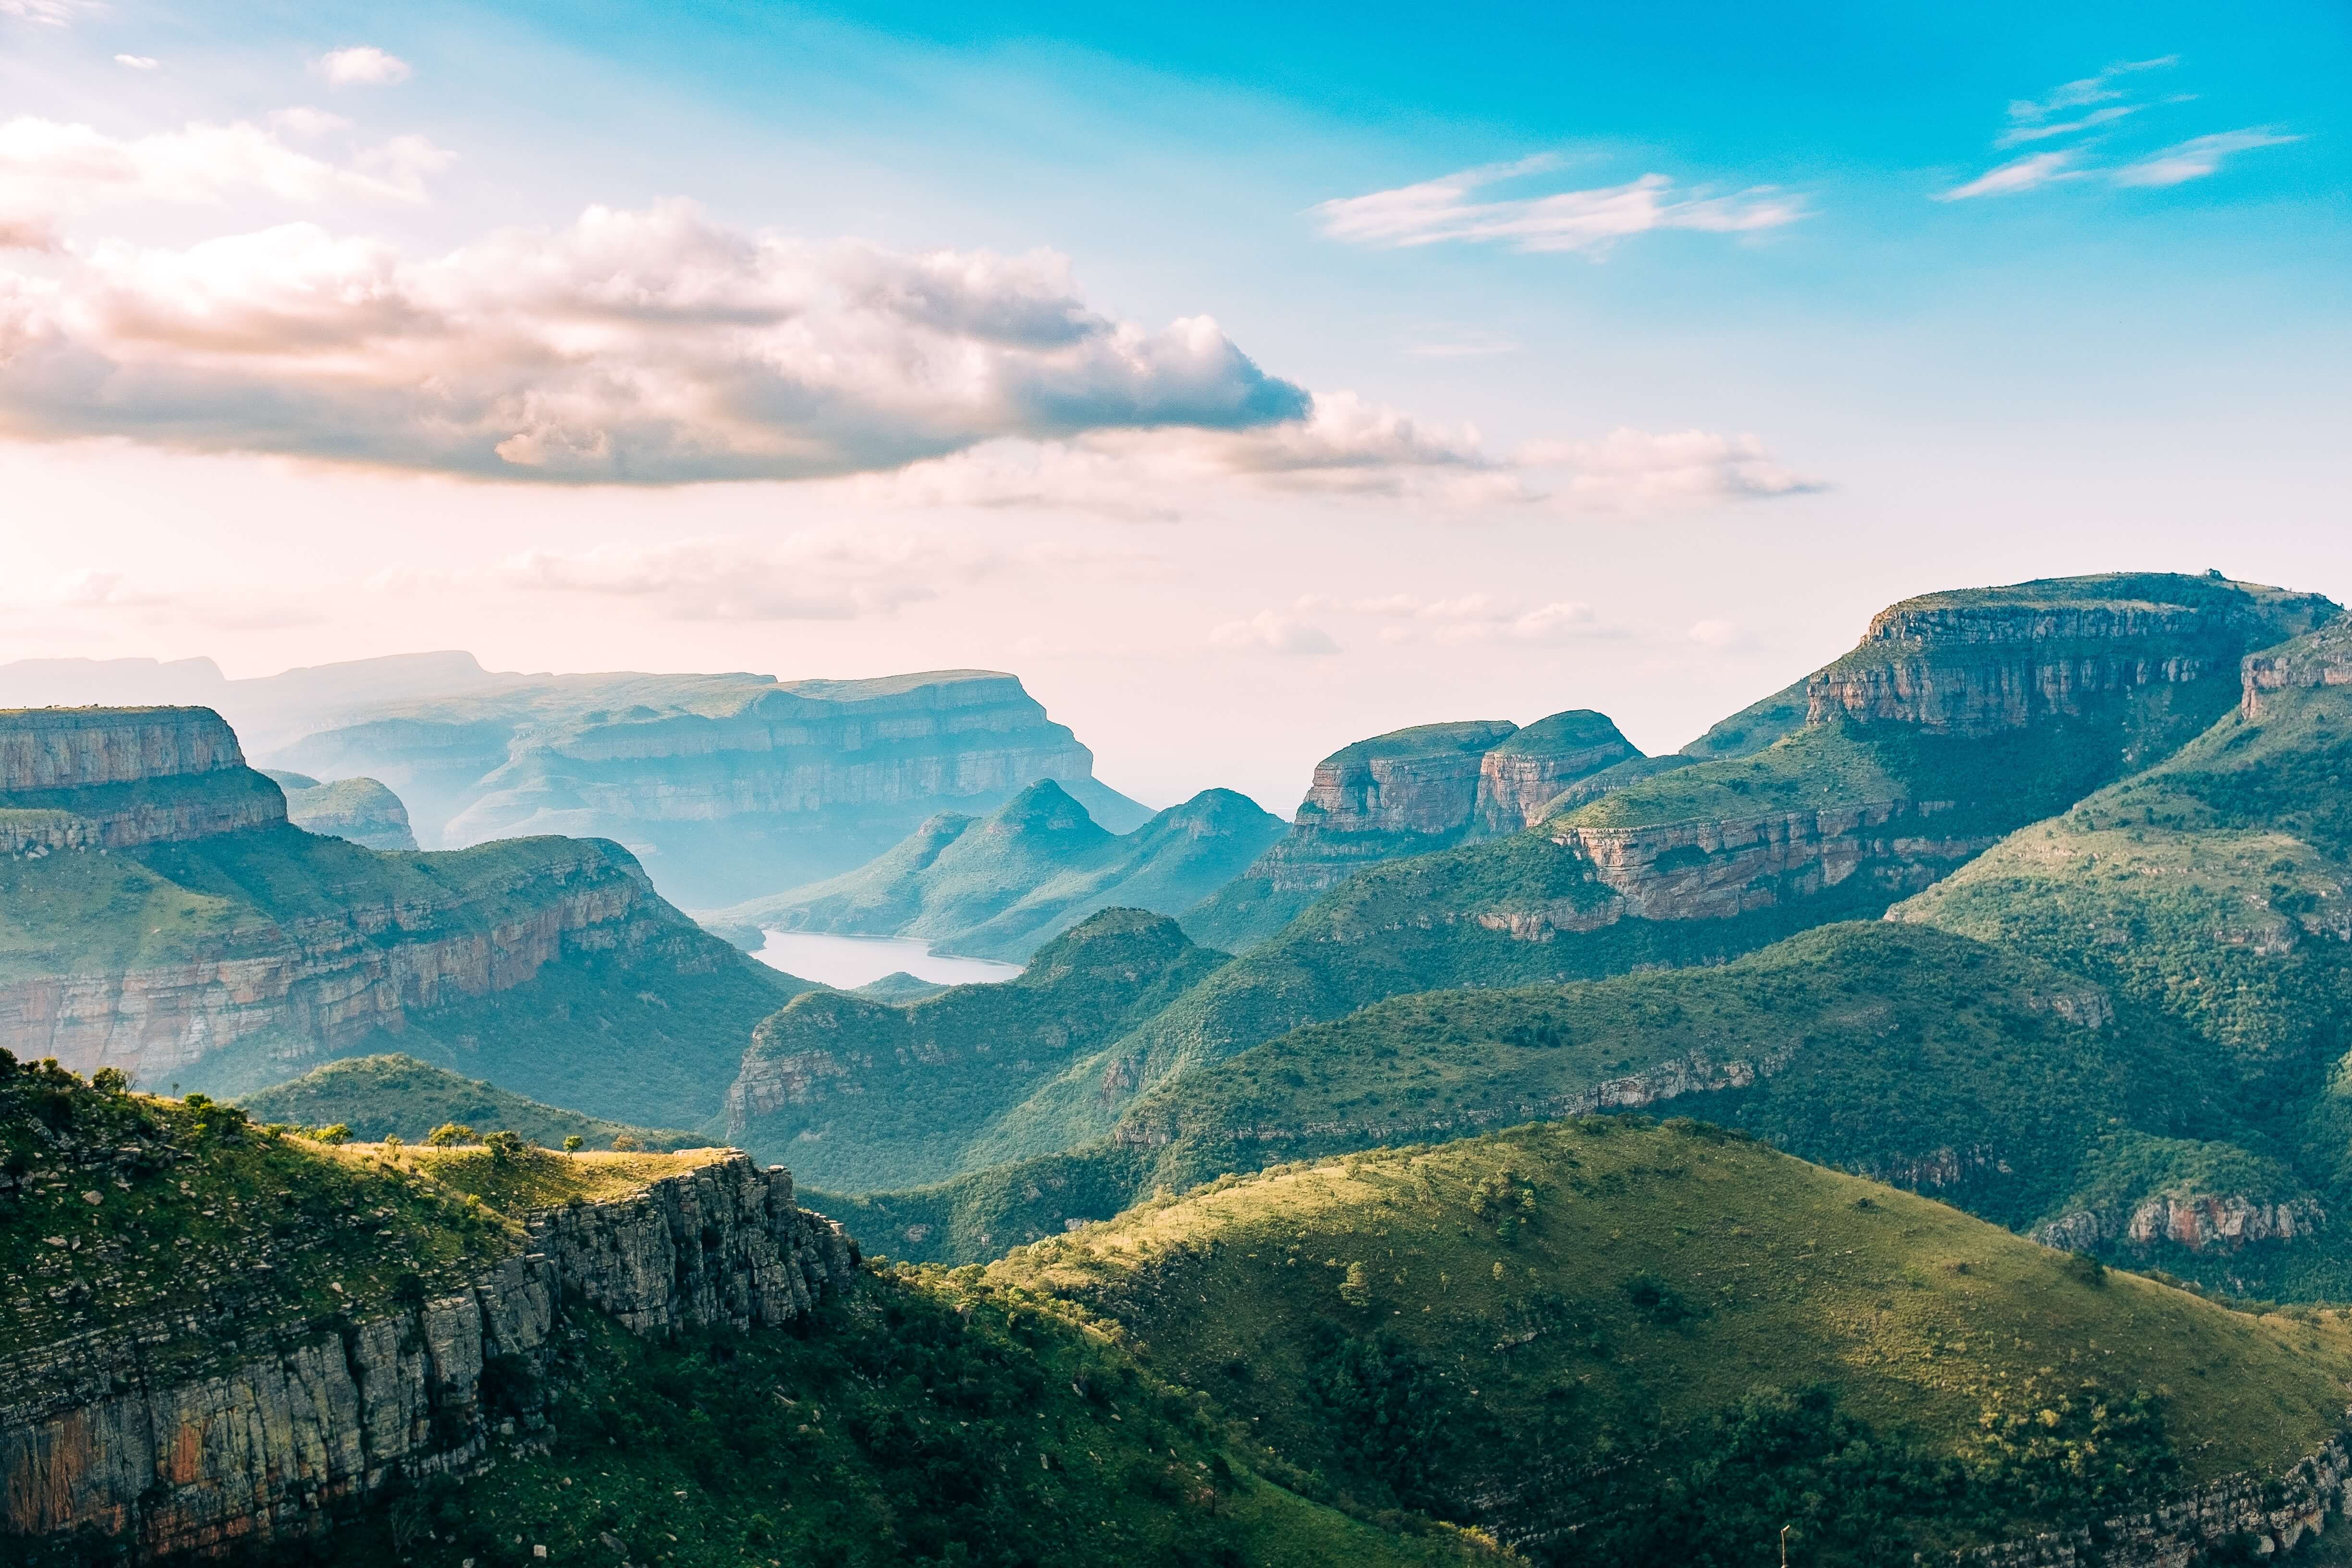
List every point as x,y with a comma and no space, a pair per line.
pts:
107,1432
119,778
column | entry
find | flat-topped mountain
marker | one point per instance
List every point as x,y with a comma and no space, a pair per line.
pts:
396,1096
159,915
726,786
998,886
1408,793
1895,775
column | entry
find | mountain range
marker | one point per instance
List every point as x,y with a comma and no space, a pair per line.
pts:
1993,978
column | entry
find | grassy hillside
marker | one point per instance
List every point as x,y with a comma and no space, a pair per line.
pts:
909,1419
2214,889
857,1094
1000,886
400,1096
1616,1342
1994,1081
650,1030
1458,917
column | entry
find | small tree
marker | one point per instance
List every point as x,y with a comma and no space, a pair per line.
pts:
625,1144
505,1147
573,1144
110,1080
450,1134
1355,1288
334,1133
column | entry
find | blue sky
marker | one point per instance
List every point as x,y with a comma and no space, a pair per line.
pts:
1753,322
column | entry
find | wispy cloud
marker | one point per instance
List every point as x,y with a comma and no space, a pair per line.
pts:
2036,120
802,577
138,62
2030,172
1465,618
48,13
1268,632
2197,157
365,66
1640,469
1443,211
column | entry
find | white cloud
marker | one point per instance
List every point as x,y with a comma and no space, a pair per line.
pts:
650,346
1639,470
802,577
1465,618
138,62
2090,90
49,13
2026,174
1268,632
1441,210
2090,121
1714,633
2196,158
365,66
51,171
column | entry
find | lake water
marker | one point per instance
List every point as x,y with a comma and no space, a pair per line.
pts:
853,960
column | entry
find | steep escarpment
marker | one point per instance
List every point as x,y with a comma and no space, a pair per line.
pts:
726,786
75,779
361,810
2214,889
1858,806
246,1334
859,1094
1409,791
1000,886
244,952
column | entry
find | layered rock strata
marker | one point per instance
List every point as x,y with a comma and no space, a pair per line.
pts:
330,980
100,1435
2202,1222
111,778
361,810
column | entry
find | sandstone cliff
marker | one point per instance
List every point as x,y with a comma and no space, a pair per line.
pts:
112,1432
159,915
728,786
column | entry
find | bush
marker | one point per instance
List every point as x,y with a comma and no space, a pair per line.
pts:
450,1134
335,1132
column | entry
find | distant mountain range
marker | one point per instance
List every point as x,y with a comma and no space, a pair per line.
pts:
998,886
724,786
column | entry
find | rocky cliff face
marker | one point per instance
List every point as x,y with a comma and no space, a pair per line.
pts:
729,787
114,778
101,1433
2324,658
328,981
2201,1222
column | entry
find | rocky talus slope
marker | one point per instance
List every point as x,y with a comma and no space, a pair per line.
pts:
158,914
728,786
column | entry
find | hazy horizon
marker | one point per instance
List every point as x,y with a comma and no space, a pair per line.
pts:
1246,386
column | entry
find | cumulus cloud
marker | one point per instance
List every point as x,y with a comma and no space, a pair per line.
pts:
2196,158
1445,210
365,66
632,346
51,171
802,577
1268,632
1637,469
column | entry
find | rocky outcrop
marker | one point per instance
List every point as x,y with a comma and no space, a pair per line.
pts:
107,1434
75,779
361,810
2270,1518
1993,659
328,982
2199,1222
1423,780
2322,659
1520,779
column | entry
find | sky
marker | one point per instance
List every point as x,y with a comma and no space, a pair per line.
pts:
1246,380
